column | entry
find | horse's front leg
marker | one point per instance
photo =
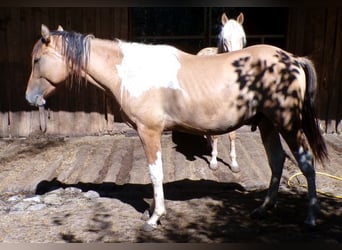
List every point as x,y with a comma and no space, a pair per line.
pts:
151,140
212,139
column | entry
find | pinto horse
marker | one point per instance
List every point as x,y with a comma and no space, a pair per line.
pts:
162,88
232,37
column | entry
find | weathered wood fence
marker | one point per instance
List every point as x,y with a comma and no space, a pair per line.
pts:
314,32
317,33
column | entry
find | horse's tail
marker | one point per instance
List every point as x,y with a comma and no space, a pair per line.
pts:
310,124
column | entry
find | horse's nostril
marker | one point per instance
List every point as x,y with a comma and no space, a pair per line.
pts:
40,100
36,100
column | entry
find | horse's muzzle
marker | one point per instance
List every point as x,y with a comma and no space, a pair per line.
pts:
35,100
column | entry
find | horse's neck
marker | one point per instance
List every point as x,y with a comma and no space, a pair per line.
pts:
101,70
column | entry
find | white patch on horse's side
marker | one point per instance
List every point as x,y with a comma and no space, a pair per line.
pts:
148,66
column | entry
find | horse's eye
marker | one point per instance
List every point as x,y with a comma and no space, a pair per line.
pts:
35,60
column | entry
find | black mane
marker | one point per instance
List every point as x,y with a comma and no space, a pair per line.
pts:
75,49
220,44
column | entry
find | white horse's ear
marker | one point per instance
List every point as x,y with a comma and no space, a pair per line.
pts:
240,18
45,34
224,19
60,28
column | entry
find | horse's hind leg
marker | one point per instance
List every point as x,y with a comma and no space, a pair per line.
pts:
276,159
213,139
300,149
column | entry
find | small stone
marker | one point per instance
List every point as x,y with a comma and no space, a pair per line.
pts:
52,199
3,206
36,207
21,206
14,198
36,199
57,191
91,194
73,190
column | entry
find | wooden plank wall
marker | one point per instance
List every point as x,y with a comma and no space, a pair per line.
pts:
75,111
313,32
317,33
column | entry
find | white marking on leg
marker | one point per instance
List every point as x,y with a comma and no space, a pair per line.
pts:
213,161
304,157
148,66
233,154
305,161
156,174
234,165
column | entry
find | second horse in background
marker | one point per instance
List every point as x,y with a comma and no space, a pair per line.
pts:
232,37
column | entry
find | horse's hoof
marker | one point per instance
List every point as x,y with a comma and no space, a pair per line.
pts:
146,215
235,169
310,223
148,228
213,166
258,213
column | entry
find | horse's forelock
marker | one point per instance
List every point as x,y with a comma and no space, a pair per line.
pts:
231,27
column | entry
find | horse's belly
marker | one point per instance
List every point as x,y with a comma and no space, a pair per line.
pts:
208,110
222,125
203,123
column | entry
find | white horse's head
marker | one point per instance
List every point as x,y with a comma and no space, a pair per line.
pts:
232,36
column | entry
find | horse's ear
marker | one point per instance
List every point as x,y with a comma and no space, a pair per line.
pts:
45,34
60,28
224,19
240,18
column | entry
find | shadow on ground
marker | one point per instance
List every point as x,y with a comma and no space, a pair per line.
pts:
193,146
220,212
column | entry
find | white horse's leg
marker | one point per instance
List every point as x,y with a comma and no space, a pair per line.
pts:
276,159
234,165
151,141
300,149
213,140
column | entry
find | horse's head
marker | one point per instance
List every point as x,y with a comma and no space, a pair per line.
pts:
48,67
56,56
232,36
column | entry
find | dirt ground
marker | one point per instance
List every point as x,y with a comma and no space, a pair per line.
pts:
96,188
